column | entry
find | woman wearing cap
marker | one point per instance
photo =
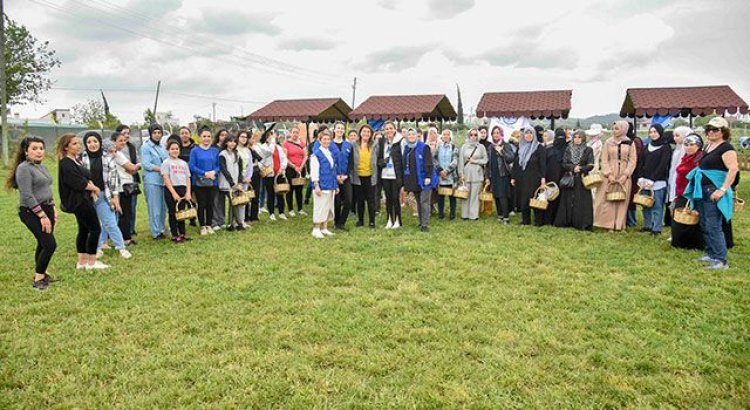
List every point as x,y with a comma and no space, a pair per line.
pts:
323,170
391,173
420,176
619,159
297,158
576,203
653,175
710,187
499,170
446,161
273,158
529,169
36,205
153,155
471,161
364,175
686,236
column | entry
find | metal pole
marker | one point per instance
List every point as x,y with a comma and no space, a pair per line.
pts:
3,87
156,101
354,91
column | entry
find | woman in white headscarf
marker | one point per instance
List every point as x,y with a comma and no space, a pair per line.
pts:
471,161
678,135
529,169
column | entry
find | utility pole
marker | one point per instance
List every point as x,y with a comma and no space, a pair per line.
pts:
354,91
3,87
156,101
213,118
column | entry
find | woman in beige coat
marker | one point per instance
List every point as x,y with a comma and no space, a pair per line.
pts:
618,163
471,161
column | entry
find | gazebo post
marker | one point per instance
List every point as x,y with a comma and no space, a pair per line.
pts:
552,123
690,120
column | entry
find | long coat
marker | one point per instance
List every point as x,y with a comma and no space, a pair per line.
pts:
576,207
528,180
617,160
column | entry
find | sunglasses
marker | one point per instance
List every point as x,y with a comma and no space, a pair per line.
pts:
711,129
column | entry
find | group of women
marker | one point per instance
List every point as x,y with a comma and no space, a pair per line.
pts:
99,181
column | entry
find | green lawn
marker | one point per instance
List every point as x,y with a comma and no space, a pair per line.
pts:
472,315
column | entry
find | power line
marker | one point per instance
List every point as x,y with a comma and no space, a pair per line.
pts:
166,91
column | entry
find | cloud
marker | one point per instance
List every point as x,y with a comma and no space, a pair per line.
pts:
388,4
447,9
393,59
232,23
307,43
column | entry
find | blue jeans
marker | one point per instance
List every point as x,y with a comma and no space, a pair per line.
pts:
630,219
157,208
262,194
108,220
711,220
653,218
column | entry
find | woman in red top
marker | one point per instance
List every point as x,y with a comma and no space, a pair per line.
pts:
296,155
687,236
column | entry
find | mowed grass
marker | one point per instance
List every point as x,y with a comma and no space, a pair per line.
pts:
472,314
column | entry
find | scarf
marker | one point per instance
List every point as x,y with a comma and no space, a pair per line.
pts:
95,160
276,160
526,149
576,152
617,139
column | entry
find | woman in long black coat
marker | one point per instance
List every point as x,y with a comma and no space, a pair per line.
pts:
555,152
576,207
529,170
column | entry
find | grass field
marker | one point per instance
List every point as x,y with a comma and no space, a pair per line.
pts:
474,315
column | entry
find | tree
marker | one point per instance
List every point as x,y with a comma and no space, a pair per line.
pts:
459,107
28,62
149,117
92,113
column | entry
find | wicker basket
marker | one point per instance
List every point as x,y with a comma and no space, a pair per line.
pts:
537,203
616,195
486,194
462,192
240,198
552,191
738,204
686,215
299,181
188,213
265,171
281,188
592,180
646,201
445,191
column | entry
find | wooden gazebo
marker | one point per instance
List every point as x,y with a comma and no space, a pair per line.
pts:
532,104
305,110
417,108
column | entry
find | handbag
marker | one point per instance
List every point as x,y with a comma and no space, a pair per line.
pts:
201,181
131,189
567,180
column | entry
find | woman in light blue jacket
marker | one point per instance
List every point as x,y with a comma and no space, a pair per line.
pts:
153,155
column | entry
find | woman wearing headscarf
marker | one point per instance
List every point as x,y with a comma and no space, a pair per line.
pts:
502,156
471,161
576,203
446,161
153,154
678,137
710,187
529,170
555,151
653,175
619,159
686,236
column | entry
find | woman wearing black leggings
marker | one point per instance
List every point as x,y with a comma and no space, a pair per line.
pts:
36,209
77,196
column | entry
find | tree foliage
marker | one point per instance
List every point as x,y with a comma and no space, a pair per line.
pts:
28,62
92,114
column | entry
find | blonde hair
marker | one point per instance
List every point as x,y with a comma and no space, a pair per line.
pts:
62,145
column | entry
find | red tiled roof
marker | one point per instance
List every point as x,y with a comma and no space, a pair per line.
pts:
405,108
681,101
314,109
534,104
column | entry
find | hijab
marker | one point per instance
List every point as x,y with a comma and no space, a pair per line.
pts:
154,127
624,127
95,159
662,140
526,148
577,150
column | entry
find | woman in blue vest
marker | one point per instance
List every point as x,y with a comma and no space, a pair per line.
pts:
420,176
323,174
153,155
710,189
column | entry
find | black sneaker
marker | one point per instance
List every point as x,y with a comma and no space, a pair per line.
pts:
50,279
231,229
372,225
359,223
425,229
41,284
159,237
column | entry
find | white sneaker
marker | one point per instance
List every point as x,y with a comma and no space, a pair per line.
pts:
272,217
97,265
263,210
216,228
292,214
99,253
210,231
81,266
396,225
282,217
327,232
316,233
302,212
204,230
125,254
389,225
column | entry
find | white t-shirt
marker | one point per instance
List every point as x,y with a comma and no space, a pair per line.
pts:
121,160
177,170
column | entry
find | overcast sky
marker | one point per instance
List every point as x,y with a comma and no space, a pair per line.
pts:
242,55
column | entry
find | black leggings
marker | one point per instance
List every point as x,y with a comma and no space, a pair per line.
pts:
392,199
502,205
271,199
45,242
296,190
205,197
342,203
365,193
126,204
252,210
176,228
88,229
